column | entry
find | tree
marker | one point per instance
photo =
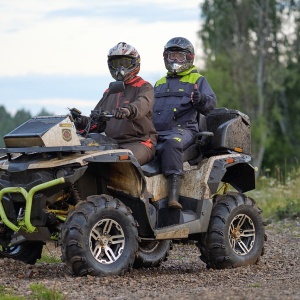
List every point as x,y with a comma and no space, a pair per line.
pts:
246,51
6,123
20,117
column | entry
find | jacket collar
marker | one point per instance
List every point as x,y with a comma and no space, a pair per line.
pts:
133,80
193,69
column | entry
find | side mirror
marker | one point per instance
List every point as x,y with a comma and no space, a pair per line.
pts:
116,87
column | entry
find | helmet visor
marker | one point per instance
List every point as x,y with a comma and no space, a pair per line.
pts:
117,62
178,56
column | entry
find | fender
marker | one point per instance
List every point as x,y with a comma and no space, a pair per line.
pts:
235,170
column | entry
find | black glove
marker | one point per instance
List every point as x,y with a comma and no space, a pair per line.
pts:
121,113
75,113
81,122
198,99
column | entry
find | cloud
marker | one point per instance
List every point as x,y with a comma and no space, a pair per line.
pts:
73,37
54,53
142,12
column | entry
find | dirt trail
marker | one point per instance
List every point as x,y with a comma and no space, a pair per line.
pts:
182,276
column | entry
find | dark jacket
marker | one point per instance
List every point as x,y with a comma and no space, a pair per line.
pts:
138,97
173,108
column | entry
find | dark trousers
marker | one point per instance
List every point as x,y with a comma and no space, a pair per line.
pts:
170,148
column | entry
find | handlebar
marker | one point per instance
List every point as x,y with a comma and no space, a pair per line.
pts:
95,121
98,115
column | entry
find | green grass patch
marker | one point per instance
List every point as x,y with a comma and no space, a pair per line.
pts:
50,254
256,285
277,200
7,294
39,291
49,259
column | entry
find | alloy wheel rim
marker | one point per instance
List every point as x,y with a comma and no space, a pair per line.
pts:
107,241
241,234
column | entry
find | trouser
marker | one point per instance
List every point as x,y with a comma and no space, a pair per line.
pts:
170,148
141,152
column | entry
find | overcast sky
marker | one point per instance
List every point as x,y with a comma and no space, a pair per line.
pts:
53,53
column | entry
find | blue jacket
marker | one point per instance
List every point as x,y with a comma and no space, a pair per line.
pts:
173,108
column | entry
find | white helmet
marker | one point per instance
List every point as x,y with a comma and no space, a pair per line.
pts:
123,62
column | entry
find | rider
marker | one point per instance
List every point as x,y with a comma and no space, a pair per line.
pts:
132,125
179,97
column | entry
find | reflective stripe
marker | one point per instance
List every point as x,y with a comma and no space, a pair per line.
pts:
191,78
161,81
177,139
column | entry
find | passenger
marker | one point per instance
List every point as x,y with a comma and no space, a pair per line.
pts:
132,125
179,97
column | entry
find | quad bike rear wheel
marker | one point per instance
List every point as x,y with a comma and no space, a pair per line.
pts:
99,238
235,235
152,253
28,252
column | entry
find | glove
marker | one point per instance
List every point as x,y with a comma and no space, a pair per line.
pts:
75,113
81,122
121,113
198,98
99,119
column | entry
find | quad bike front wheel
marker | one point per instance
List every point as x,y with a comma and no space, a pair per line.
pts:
152,253
28,252
99,238
235,235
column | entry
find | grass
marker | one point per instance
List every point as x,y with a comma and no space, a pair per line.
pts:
6,294
256,284
39,292
50,254
277,198
49,259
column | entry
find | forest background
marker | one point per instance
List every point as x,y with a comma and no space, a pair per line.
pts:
252,52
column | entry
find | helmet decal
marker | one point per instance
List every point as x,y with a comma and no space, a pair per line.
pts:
123,62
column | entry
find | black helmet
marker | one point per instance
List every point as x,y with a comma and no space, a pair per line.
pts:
176,63
123,62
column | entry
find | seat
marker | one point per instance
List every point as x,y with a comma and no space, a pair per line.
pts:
229,130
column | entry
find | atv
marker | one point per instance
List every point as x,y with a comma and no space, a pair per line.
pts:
109,214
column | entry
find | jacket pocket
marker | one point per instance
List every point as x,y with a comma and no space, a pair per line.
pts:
163,119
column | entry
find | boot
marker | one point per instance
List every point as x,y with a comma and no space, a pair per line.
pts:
174,183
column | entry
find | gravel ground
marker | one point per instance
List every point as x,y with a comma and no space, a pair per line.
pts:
182,276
